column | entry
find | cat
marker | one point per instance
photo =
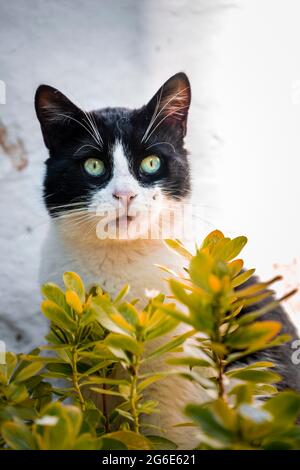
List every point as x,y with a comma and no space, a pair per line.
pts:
133,162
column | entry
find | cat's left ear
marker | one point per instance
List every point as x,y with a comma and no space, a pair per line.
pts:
170,105
58,116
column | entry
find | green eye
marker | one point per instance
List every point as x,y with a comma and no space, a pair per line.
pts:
150,165
94,167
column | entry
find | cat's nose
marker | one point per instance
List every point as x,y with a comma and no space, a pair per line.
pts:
125,196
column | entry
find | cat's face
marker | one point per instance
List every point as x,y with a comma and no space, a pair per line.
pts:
124,167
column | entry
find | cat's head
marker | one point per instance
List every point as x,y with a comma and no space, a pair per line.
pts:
117,164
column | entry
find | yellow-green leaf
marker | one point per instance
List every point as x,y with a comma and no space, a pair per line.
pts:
73,301
73,282
57,315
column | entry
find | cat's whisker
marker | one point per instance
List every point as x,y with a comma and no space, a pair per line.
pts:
162,143
154,115
163,119
72,227
146,136
93,128
49,195
67,212
75,223
86,145
71,214
91,124
81,124
70,204
66,216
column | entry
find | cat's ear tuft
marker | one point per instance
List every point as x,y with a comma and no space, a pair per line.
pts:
171,103
53,110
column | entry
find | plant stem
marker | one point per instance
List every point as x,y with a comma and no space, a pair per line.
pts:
104,410
75,379
134,394
219,357
222,393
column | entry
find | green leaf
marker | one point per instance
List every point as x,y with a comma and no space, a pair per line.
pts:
53,292
75,416
235,267
284,407
87,442
212,239
60,434
242,278
130,313
209,425
122,293
251,317
17,436
104,310
93,418
232,248
170,345
108,443
161,443
104,391
253,335
74,283
177,246
255,375
151,379
57,315
189,361
176,314
200,268
16,393
28,371
120,341
105,380
42,359
132,440
160,328
11,363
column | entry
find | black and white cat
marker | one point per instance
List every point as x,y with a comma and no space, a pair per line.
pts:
136,160
104,159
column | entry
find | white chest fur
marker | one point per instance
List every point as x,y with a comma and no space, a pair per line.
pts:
112,264
108,263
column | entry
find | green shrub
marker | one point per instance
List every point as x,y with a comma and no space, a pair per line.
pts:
92,334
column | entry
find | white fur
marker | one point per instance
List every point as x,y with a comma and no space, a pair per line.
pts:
112,263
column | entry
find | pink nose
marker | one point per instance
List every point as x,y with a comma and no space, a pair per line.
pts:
125,196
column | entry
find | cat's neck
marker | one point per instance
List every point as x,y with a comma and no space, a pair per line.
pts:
85,241
111,263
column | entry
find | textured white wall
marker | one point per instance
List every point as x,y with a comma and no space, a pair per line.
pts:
100,53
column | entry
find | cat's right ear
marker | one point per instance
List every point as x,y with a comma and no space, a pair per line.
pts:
170,105
56,113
